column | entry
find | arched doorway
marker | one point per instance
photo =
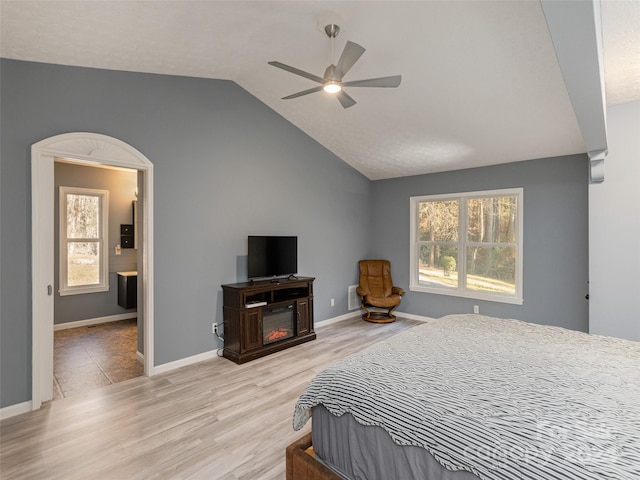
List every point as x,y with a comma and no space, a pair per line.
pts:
92,149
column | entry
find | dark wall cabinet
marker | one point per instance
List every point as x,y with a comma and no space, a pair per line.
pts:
126,236
265,317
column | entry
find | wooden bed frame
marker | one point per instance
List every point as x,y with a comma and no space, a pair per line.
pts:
302,463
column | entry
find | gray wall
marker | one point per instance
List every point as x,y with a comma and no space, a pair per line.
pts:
225,166
121,186
614,230
555,270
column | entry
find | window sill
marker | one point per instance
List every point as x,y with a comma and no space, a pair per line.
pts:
511,299
83,290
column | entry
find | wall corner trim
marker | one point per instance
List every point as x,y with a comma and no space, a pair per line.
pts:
596,165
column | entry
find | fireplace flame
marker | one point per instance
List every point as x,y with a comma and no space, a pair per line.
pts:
277,334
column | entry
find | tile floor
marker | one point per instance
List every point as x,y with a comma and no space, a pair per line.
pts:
88,357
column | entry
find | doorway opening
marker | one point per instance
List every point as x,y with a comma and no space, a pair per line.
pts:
86,358
95,323
84,149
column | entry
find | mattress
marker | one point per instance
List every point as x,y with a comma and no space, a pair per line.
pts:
499,399
364,452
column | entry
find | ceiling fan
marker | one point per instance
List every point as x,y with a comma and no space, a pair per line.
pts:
332,80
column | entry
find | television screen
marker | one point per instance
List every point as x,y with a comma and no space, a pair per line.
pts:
270,256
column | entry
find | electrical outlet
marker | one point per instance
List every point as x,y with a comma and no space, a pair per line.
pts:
214,328
333,302
476,309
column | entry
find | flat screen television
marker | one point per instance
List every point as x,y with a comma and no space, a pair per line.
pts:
272,256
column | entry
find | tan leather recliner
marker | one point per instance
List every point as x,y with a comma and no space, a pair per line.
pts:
376,289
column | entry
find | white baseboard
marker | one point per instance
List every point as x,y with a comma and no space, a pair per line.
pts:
213,354
358,313
140,357
13,410
330,321
183,362
411,316
94,321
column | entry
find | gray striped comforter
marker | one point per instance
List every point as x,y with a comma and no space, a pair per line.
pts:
502,399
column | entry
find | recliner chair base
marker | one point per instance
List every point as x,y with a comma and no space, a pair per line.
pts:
378,317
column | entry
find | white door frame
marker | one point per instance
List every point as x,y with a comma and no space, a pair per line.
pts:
91,149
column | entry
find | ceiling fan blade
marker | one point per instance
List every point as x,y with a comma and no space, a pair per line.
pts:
388,82
304,92
345,99
297,71
350,55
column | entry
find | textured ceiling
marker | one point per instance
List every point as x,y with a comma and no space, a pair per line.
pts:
481,84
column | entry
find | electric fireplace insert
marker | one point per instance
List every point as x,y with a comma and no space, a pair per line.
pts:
277,323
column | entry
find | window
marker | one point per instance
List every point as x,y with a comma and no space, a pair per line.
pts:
83,240
468,245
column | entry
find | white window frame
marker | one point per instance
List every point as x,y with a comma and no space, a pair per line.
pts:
461,290
103,241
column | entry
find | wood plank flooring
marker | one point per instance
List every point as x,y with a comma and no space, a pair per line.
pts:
212,420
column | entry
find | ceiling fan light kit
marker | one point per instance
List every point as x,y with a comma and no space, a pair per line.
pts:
332,87
332,82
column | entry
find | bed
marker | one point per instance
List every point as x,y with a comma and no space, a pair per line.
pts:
472,397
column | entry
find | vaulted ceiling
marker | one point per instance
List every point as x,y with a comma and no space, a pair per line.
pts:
481,80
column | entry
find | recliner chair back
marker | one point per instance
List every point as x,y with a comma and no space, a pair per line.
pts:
375,277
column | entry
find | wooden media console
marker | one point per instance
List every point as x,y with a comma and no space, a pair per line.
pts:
267,316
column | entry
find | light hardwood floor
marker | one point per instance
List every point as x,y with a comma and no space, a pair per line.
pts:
212,420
